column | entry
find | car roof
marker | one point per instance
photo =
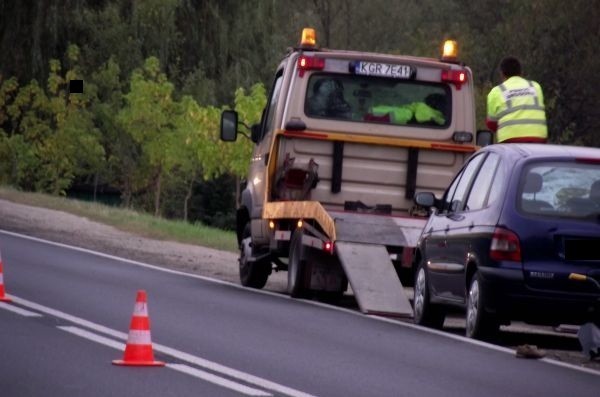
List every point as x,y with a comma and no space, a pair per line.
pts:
517,151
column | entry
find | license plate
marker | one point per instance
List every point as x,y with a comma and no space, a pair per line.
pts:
582,249
383,70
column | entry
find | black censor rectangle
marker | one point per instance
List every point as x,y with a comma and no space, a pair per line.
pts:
75,86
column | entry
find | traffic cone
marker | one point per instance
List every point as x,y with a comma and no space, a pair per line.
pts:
3,297
138,351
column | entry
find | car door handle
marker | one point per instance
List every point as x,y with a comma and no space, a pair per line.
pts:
472,225
447,229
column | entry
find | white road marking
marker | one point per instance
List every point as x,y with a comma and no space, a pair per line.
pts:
18,310
93,337
177,367
183,356
217,380
313,303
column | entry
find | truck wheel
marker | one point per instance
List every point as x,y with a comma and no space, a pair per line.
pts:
480,324
426,313
297,266
253,274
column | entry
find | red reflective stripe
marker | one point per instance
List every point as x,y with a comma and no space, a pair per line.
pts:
588,160
308,135
456,148
525,139
135,353
140,323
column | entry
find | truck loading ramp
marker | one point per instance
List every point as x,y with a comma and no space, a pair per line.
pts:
373,279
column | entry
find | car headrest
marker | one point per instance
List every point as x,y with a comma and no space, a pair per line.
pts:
533,183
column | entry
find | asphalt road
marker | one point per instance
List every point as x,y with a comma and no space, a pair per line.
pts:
222,340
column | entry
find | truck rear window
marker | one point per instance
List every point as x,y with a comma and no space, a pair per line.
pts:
378,100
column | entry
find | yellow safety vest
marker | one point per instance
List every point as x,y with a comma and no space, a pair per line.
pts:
518,107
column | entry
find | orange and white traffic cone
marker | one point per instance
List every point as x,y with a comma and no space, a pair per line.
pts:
138,351
3,297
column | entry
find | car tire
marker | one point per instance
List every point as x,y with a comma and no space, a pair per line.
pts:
253,274
425,312
297,266
480,323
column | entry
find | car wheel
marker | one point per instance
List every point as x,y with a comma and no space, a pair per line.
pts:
253,274
480,324
297,266
426,313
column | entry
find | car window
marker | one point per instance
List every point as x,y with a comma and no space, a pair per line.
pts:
498,181
454,197
482,183
561,189
378,100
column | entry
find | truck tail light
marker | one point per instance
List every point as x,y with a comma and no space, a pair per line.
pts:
306,62
457,77
328,246
505,246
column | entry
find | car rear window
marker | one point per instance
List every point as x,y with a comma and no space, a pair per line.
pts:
378,100
561,189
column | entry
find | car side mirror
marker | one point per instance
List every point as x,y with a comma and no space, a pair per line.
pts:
425,199
484,138
229,123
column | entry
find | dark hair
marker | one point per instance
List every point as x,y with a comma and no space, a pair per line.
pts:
510,66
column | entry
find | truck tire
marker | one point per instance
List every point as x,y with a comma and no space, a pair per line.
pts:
297,266
426,313
253,274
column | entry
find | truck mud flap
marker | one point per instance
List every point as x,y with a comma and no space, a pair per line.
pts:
371,274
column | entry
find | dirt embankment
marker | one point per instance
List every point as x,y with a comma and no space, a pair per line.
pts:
66,228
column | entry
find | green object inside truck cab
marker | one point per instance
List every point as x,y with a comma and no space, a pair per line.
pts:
421,112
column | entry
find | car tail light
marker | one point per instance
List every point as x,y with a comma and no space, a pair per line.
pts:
505,246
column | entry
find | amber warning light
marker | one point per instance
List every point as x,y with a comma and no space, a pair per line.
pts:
450,51
309,38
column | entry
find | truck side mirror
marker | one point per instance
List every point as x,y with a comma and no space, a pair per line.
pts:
229,123
484,138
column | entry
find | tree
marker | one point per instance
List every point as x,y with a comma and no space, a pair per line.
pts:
51,137
148,117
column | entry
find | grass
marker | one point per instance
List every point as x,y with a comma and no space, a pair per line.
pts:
128,220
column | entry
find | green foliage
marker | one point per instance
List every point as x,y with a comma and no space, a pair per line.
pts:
157,74
51,136
249,107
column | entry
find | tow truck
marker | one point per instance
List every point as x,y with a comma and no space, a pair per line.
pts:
344,142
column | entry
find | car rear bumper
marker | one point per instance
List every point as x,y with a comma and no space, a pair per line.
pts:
512,299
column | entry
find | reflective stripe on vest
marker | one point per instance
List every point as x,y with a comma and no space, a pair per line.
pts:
521,119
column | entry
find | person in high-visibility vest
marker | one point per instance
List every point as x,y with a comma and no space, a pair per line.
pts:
515,108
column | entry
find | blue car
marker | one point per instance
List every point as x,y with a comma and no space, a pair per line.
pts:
516,236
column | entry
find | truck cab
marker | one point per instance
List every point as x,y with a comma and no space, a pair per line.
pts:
345,141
